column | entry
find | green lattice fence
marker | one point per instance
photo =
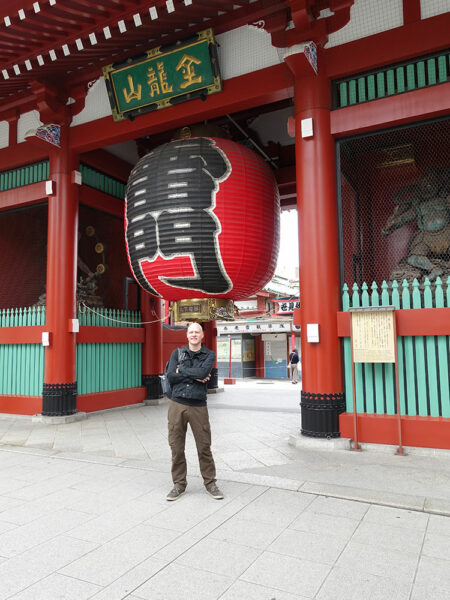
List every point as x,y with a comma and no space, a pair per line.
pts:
36,172
423,361
22,365
390,81
108,366
14,178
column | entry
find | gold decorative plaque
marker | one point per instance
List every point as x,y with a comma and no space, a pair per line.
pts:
203,309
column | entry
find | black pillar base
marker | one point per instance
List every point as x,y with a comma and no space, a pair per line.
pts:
320,414
152,384
59,399
213,383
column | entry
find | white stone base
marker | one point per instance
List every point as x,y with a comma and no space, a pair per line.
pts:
153,401
302,441
79,416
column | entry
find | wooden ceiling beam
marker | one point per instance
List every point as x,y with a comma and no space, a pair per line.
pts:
71,15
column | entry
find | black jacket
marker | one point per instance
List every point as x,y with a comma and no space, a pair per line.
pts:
192,366
293,358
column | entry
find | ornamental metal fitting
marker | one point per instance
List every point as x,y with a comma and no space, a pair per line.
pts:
203,309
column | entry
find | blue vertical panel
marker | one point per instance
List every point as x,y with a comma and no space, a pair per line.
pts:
430,351
347,356
420,365
359,387
409,357
443,356
389,368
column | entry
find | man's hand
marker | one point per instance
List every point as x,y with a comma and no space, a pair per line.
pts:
207,378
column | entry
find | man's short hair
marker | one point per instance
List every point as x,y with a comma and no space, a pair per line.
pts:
195,323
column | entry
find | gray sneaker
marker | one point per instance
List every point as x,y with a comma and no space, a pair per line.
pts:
215,492
175,493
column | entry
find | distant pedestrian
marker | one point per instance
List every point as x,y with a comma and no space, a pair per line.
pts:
293,360
188,372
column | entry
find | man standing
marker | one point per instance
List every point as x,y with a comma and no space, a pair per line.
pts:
293,359
188,373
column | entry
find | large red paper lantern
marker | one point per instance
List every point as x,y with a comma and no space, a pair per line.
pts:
202,220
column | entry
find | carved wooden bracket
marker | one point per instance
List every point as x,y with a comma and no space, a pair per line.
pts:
308,26
51,104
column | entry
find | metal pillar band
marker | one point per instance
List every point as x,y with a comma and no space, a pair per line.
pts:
320,414
152,384
59,399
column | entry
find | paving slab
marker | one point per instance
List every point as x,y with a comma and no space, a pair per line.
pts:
85,516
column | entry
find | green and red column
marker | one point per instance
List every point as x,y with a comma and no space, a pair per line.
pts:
152,359
322,396
60,386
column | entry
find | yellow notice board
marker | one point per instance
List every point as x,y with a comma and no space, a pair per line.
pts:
373,335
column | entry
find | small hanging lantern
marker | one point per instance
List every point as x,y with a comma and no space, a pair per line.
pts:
202,225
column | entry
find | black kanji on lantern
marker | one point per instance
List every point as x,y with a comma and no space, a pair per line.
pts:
170,200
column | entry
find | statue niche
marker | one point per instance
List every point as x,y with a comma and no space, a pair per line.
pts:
428,203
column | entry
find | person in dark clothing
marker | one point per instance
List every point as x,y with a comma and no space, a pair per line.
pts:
293,359
188,373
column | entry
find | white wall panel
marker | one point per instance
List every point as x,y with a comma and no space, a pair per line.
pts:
4,134
368,17
97,104
245,50
27,121
431,8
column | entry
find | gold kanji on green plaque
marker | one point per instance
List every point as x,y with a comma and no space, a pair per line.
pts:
166,76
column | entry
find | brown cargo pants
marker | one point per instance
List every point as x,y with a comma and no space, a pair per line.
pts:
179,415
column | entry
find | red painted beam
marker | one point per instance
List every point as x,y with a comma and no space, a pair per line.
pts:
22,335
101,201
288,202
21,405
23,101
286,176
21,154
287,187
240,93
414,321
110,335
112,399
415,39
405,108
23,196
411,11
107,163
422,432
86,335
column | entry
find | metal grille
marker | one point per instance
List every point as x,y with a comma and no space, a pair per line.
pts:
23,253
395,205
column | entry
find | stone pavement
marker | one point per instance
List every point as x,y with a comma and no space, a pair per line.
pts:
83,511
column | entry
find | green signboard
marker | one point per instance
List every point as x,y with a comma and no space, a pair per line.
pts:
166,76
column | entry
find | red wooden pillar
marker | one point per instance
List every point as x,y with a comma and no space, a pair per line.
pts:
152,367
292,340
322,398
60,387
259,357
166,312
210,328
